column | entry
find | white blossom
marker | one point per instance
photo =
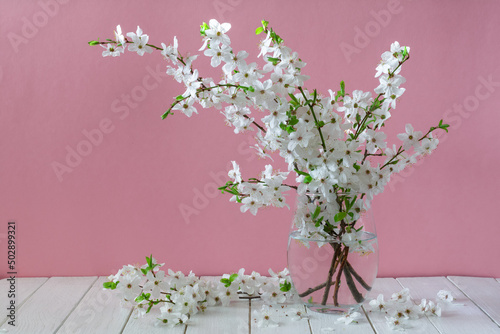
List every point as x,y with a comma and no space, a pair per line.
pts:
265,317
349,318
140,42
112,50
445,296
378,304
402,296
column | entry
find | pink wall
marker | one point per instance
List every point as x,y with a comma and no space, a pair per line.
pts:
122,201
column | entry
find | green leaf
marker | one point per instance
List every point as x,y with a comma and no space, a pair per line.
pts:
316,212
286,286
110,285
94,43
338,95
180,98
233,277
310,300
293,120
259,30
339,216
293,97
144,271
308,179
149,260
231,191
301,172
404,52
315,95
166,114
226,281
356,167
264,23
375,105
149,308
273,60
342,88
350,204
443,126
204,26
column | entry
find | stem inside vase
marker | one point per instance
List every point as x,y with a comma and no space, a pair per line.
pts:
349,271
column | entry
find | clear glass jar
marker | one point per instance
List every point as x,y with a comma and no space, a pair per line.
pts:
334,275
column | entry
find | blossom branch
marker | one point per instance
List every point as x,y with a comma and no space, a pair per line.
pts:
314,115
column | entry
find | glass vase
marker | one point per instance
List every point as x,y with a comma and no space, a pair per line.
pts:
334,275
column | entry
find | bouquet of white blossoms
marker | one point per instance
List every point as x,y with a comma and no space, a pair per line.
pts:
333,144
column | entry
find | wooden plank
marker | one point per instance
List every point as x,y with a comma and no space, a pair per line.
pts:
232,319
455,319
327,323
25,287
49,306
388,286
147,325
98,312
286,326
483,291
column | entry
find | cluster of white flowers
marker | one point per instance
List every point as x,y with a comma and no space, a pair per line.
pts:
400,308
258,193
333,143
180,296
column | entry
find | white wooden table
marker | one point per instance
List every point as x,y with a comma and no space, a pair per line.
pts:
79,305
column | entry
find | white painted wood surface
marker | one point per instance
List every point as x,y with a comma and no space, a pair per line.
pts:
286,326
388,286
148,325
46,309
98,310
232,319
465,319
24,290
79,305
483,291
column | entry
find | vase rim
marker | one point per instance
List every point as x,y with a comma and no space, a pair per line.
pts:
365,236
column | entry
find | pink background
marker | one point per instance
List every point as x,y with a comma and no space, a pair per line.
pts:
123,200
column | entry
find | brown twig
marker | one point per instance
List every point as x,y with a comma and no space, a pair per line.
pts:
333,266
352,286
311,290
337,280
357,277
